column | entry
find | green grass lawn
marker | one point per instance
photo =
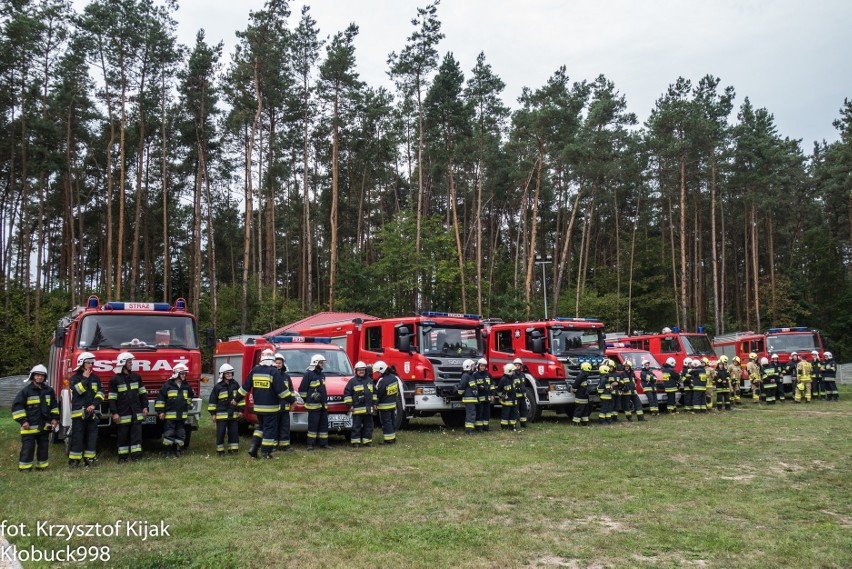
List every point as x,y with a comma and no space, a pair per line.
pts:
758,487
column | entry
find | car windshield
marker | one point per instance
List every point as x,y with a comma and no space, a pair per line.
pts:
698,345
450,341
635,359
126,330
792,342
336,361
567,340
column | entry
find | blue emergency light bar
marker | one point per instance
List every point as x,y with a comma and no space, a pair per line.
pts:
567,319
591,359
297,340
452,315
618,345
157,306
93,302
796,329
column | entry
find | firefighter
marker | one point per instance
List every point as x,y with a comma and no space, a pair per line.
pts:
508,398
804,375
780,370
581,395
817,390
128,405
671,384
267,387
686,379
470,396
792,371
710,379
754,376
484,385
87,394
649,384
735,373
173,402
829,372
723,384
360,395
387,395
224,414
630,403
36,409
521,391
313,391
698,375
287,399
769,379
605,390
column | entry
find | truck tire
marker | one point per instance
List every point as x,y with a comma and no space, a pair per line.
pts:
533,408
453,419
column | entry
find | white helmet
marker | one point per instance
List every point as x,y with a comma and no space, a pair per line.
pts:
84,357
316,360
687,362
380,367
467,365
38,369
518,362
764,361
695,363
645,362
667,330
482,362
280,356
225,368
827,355
123,358
671,362
360,365
773,357
509,369
179,369
815,353
267,357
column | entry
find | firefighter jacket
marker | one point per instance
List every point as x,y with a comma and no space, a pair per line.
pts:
804,370
817,372
507,390
648,379
608,386
127,397
289,396
627,379
174,399
772,373
791,368
221,396
735,372
85,391
484,385
520,378
581,387
360,394
313,391
467,388
829,370
698,377
387,391
36,406
671,378
721,380
753,371
267,388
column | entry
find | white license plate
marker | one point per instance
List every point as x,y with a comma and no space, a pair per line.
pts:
456,405
339,421
150,420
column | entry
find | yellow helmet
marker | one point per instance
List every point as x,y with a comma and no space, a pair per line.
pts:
752,356
723,359
586,366
603,370
737,359
705,360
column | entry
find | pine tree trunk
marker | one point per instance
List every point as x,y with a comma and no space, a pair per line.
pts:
137,217
683,303
717,315
165,189
771,250
533,236
755,270
306,221
248,196
632,257
121,180
566,248
335,181
674,262
456,231
479,232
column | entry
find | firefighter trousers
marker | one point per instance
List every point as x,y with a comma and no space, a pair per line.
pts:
227,427
804,392
129,439
318,427
581,411
831,390
688,402
388,419
522,411
84,438
653,404
362,429
605,411
671,401
483,415
283,429
509,417
723,399
174,432
817,388
470,410
29,442
769,392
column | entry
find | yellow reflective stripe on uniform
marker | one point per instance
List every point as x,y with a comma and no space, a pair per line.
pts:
30,431
242,392
222,395
78,414
113,395
267,408
79,388
172,393
33,400
18,414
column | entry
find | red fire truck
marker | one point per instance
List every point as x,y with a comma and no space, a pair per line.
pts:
672,343
552,351
159,335
427,352
243,352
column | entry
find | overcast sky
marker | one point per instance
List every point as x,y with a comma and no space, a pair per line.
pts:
790,56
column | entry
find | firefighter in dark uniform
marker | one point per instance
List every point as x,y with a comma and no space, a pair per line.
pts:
649,385
359,393
829,374
223,411
128,405
606,384
267,388
698,378
723,384
469,392
508,398
484,385
773,378
313,391
172,405
36,409
581,395
630,402
686,380
87,394
387,394
288,399
521,391
817,388
671,384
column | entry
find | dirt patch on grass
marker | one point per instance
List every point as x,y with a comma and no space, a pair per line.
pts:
845,521
739,477
554,561
604,523
785,468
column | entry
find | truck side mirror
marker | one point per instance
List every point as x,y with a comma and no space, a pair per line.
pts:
538,345
404,342
59,336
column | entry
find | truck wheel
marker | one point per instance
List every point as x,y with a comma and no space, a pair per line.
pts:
533,409
453,419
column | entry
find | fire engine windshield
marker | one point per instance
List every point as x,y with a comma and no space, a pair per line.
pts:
635,359
137,331
697,345
336,362
449,340
792,343
565,341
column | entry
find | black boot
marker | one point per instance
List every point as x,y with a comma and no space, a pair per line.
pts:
254,447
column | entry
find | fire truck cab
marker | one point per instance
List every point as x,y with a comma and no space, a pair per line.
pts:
159,335
552,351
243,352
672,343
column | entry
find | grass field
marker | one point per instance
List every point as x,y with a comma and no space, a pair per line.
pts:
757,487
